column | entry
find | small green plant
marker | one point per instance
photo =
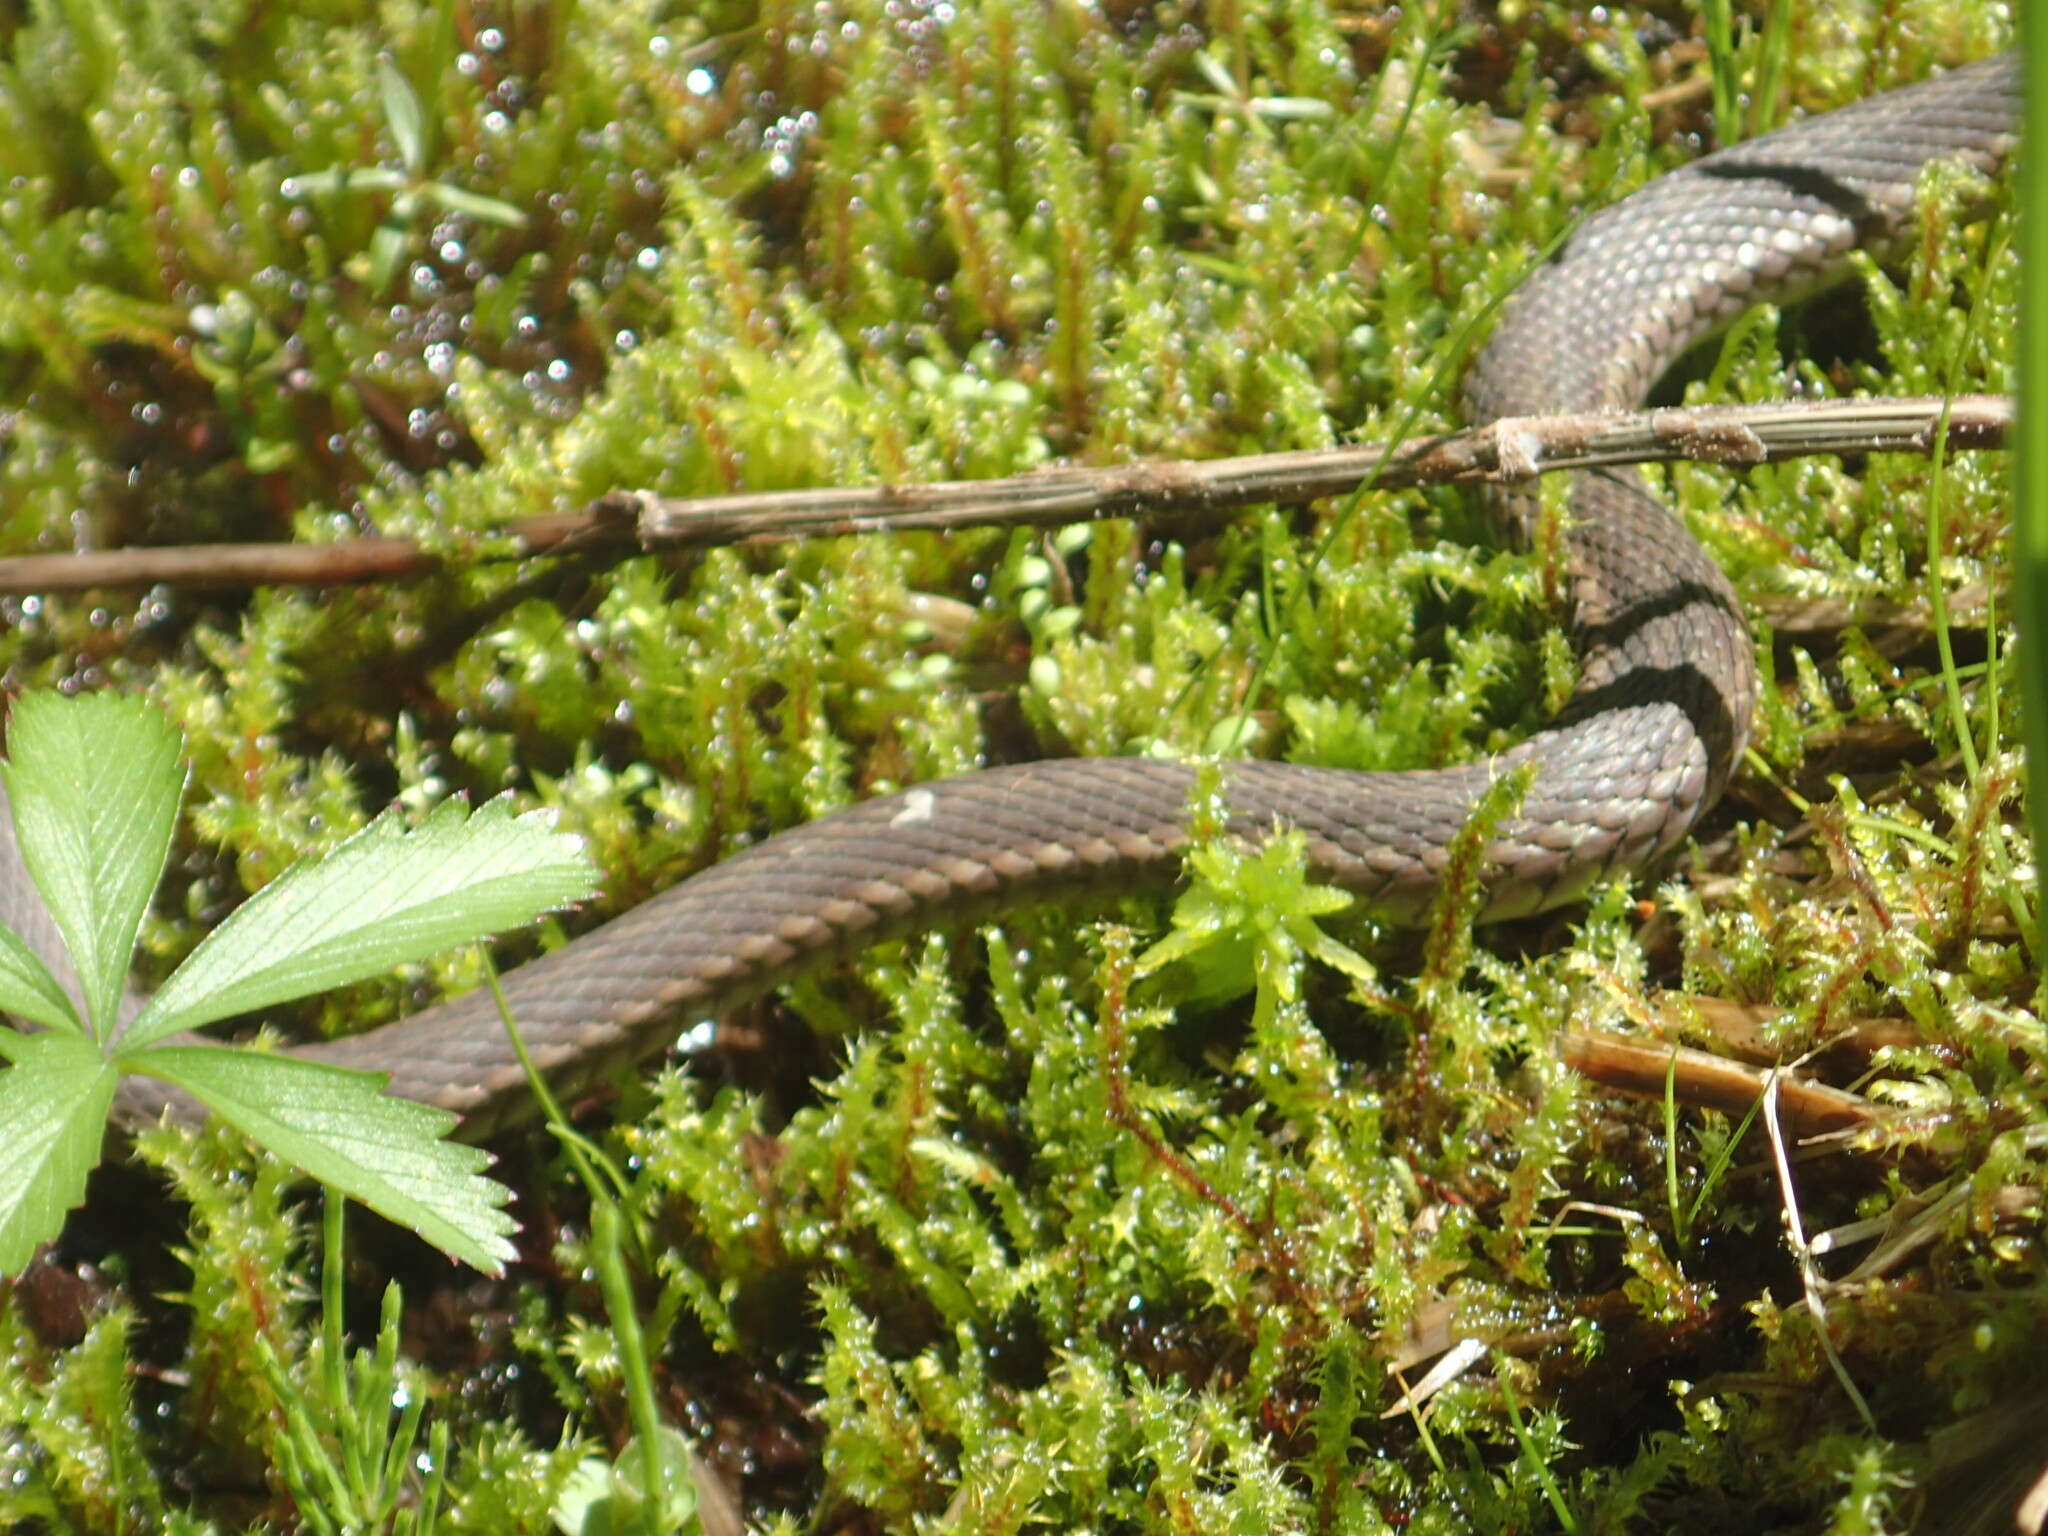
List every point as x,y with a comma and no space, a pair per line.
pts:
650,1486
1248,921
413,192
1738,47
350,1432
602,1498
94,783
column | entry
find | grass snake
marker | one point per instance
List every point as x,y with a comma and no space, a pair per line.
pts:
1662,712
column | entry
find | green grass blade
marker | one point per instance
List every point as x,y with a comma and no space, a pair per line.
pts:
2030,505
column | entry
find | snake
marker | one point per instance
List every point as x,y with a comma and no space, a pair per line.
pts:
1661,714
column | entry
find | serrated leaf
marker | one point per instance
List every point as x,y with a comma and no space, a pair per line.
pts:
343,1129
94,784
385,897
53,1118
29,991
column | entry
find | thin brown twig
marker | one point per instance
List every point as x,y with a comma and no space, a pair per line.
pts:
625,523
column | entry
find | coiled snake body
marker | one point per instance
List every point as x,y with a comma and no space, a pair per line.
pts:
1648,742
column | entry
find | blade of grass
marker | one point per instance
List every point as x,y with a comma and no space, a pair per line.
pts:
2030,472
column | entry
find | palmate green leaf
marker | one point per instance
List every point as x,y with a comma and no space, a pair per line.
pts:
343,1129
29,991
387,896
53,1114
94,782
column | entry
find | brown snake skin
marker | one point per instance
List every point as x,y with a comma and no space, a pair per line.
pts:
1648,742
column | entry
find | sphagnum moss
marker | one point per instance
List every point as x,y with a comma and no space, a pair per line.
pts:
983,1230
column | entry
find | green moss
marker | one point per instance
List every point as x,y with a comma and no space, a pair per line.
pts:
991,1232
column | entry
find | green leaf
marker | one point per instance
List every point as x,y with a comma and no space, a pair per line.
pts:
600,1500
94,782
402,112
385,897
485,210
369,178
583,1506
343,1129
28,990
670,1451
387,251
53,1118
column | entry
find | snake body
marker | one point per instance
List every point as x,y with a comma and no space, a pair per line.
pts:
1646,744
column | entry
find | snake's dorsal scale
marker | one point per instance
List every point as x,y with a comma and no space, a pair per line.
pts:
1649,741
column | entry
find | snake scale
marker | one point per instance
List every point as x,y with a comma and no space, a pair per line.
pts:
1668,679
